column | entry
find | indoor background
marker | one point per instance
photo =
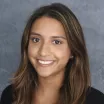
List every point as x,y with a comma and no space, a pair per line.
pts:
13,17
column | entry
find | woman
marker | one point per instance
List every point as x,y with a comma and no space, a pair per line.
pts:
54,67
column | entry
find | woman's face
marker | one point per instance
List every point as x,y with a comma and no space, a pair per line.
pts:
48,50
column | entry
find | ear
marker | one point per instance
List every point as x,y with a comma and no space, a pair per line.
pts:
71,57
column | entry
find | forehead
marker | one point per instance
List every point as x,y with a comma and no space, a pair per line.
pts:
48,26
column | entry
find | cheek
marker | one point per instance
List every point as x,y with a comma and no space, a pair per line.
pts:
65,53
63,56
31,50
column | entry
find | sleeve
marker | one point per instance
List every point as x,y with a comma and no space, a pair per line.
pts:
6,96
95,97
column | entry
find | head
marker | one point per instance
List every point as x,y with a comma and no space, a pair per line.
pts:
68,54
48,49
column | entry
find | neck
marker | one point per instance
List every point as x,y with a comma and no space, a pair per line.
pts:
48,89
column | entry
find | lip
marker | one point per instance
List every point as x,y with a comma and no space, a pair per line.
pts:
45,60
44,65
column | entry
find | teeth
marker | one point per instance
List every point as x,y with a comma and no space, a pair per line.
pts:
44,62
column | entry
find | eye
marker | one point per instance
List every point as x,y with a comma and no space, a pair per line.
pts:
35,40
57,42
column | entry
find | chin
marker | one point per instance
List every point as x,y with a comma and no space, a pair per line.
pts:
44,75
49,74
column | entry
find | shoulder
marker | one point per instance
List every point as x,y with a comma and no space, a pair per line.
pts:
6,96
94,96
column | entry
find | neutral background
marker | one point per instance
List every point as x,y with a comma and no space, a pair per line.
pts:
13,17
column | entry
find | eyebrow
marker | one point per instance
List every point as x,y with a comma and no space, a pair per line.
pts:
33,33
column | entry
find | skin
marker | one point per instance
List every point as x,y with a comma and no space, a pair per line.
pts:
48,41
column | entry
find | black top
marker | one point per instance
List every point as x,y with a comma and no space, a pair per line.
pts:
94,96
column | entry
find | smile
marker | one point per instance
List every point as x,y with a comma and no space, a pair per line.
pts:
45,62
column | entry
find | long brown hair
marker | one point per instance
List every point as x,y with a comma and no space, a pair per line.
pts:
77,75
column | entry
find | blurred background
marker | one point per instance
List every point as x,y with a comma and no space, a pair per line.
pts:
14,15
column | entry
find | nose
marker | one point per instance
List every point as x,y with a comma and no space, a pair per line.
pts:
44,49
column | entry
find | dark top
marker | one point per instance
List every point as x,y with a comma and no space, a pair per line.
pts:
93,97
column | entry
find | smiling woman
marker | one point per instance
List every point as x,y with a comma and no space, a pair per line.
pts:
49,52
54,67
